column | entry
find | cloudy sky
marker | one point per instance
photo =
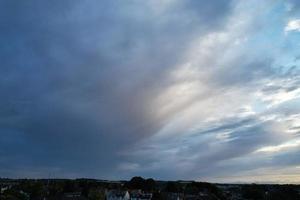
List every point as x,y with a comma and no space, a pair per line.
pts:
169,89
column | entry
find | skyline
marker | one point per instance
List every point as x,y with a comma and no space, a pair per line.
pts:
170,89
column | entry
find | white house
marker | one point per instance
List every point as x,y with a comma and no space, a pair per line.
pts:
117,195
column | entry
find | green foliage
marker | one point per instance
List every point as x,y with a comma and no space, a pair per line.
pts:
36,189
141,183
70,186
94,190
136,183
157,196
253,192
96,194
55,188
13,194
150,185
286,192
173,186
191,188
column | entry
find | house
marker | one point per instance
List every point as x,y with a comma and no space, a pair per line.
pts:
191,197
117,195
174,196
73,196
142,196
127,195
3,189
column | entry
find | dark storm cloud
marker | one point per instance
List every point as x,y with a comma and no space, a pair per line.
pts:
77,78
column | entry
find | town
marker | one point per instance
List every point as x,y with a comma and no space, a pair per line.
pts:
139,188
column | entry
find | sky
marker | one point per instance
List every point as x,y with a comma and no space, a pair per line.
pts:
169,89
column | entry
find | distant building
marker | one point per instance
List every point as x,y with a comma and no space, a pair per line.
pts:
139,195
127,195
174,196
4,188
73,196
117,195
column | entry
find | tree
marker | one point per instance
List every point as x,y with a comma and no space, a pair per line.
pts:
253,192
157,196
136,182
96,194
149,185
12,194
191,188
172,187
286,192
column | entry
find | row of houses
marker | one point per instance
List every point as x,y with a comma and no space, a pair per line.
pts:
127,195
139,195
182,196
